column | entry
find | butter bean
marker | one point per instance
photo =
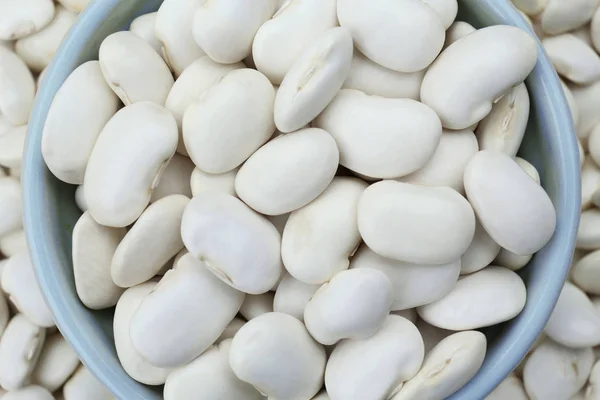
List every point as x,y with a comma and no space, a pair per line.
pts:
458,30
80,198
18,86
78,113
234,326
587,99
491,176
30,392
256,305
195,79
127,162
447,368
588,235
238,245
413,284
586,273
413,27
10,205
372,133
191,298
268,180
209,376
19,283
559,17
572,104
446,166
391,209
133,363
529,169
225,30
152,241
296,25
214,140
20,349
373,368
261,341
143,27
38,49
127,63
319,238
574,321
432,335
530,7
22,18
353,304
510,388
12,144
173,28
481,252
83,385
13,243
485,298
573,58
56,363
445,9
554,371
371,78
504,127
176,179
292,296
445,84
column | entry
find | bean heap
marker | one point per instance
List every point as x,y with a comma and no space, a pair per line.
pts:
36,362
319,199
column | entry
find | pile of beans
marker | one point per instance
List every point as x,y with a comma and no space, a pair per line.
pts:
36,362
315,199
564,363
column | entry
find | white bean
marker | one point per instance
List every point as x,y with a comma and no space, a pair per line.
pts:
195,79
77,115
12,144
588,234
209,377
18,86
230,330
13,243
530,7
506,53
173,28
255,305
431,335
353,304
152,241
175,179
30,392
403,35
529,169
128,63
296,25
574,321
556,372
238,245
590,178
19,283
446,166
93,248
84,385
510,388
143,27
573,58
190,298
445,9
133,363
559,16
255,357
381,137
202,182
313,80
504,127
525,220
56,363
447,367
292,296
481,252
225,30
371,78
587,99
586,273
22,18
458,30
10,205
268,180
38,49
485,298
124,168
20,348
215,141
319,238
572,104
397,210
413,284
373,368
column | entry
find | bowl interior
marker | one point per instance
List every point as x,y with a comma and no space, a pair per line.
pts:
50,211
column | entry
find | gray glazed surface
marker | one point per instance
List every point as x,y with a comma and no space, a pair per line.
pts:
50,211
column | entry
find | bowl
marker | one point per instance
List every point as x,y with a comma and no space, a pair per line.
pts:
50,211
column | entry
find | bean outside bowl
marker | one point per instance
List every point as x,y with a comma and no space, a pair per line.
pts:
50,211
